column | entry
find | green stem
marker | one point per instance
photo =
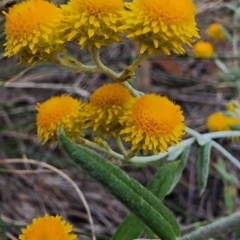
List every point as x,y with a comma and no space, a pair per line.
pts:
121,147
145,159
141,58
204,138
221,65
217,228
222,134
75,65
105,148
132,90
104,69
225,153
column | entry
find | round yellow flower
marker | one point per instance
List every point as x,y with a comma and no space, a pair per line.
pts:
33,31
160,25
153,124
220,122
203,50
92,22
61,111
48,228
214,31
106,105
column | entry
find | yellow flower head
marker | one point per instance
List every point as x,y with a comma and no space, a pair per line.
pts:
214,31
203,50
160,25
48,228
153,124
231,106
220,122
92,22
33,31
106,105
63,111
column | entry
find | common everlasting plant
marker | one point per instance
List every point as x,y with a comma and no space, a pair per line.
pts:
144,127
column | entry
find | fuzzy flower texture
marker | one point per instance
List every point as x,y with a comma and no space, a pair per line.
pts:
37,30
215,32
203,50
33,31
60,111
150,123
48,228
107,104
92,23
160,25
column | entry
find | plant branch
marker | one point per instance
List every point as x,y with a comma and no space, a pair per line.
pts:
217,228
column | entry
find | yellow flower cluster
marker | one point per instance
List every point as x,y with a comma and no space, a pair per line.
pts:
203,49
225,121
37,30
150,122
48,227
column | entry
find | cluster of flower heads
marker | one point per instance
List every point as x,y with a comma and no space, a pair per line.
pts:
150,122
37,30
48,227
203,49
227,120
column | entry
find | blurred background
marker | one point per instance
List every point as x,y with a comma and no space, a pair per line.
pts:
28,191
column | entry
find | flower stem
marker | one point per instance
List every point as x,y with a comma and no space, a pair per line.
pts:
102,68
202,138
141,58
225,153
145,159
132,90
214,229
105,148
121,146
75,65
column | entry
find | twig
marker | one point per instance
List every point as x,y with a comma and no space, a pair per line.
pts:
48,86
217,228
66,177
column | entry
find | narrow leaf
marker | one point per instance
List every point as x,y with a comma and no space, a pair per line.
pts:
183,160
203,158
229,196
131,227
133,195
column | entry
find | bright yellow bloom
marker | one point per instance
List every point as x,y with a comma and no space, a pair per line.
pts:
153,124
160,25
33,31
48,228
203,50
106,105
92,22
214,31
230,106
61,111
220,122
